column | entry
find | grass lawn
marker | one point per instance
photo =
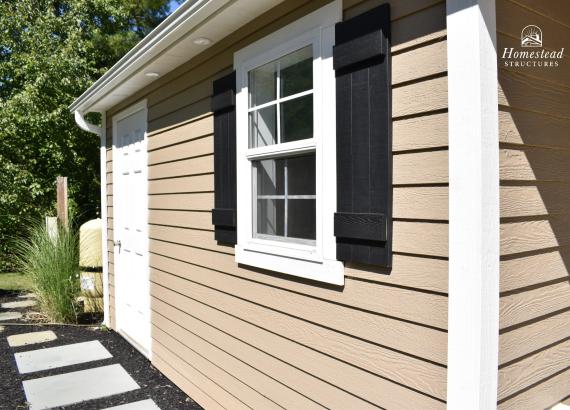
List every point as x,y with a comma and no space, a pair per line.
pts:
14,281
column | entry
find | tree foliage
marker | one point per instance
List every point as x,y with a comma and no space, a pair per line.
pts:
50,52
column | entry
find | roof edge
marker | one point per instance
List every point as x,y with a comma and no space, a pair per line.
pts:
146,48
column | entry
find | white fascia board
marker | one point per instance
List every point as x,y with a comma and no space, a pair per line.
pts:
187,16
474,247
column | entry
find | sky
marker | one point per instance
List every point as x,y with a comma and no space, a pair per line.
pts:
173,5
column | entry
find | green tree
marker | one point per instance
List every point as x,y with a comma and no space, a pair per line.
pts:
50,52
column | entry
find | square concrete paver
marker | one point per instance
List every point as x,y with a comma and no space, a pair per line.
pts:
19,304
137,405
31,338
68,388
67,355
10,316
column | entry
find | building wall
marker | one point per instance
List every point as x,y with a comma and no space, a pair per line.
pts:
235,337
534,119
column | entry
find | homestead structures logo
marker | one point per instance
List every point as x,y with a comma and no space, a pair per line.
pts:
531,54
531,36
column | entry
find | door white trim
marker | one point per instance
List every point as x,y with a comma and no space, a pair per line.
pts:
474,209
104,225
145,347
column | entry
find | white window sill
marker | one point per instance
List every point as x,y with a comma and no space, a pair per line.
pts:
327,271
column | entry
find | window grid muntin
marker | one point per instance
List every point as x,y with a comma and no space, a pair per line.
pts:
286,197
278,100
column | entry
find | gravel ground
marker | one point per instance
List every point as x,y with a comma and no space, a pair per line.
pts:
153,384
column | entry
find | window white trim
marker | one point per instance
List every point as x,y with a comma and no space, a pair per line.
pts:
316,262
474,246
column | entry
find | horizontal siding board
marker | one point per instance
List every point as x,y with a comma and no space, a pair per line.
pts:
291,378
421,168
388,364
198,201
407,304
534,164
193,166
421,97
217,374
197,183
533,369
422,132
519,91
195,392
423,273
533,129
420,62
533,337
193,148
251,330
532,270
421,203
532,304
398,9
183,219
539,199
532,235
421,238
544,395
554,10
395,333
226,399
189,130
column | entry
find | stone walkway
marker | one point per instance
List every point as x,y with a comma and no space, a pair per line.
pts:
69,388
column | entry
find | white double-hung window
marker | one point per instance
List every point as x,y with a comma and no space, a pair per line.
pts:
286,150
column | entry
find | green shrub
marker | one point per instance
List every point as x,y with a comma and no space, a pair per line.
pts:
53,267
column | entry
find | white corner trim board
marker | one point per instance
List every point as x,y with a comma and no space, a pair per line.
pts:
473,205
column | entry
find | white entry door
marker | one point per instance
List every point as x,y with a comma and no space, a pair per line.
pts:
130,210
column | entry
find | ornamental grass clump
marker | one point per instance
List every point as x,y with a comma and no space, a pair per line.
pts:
51,260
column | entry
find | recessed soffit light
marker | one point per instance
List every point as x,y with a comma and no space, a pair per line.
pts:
152,74
202,41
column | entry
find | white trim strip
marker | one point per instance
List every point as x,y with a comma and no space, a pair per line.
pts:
473,336
104,234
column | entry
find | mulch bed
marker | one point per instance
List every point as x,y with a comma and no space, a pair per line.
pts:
152,383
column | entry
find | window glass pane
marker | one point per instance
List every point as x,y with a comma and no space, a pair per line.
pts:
263,84
263,127
271,177
301,175
297,119
296,73
301,218
271,217
284,191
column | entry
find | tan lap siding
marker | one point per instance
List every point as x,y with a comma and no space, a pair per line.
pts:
235,337
534,121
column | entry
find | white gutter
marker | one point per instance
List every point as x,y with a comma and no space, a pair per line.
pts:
86,126
100,131
174,27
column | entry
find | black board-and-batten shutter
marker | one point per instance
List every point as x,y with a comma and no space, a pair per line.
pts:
224,216
361,59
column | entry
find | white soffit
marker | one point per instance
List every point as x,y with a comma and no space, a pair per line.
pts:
169,46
